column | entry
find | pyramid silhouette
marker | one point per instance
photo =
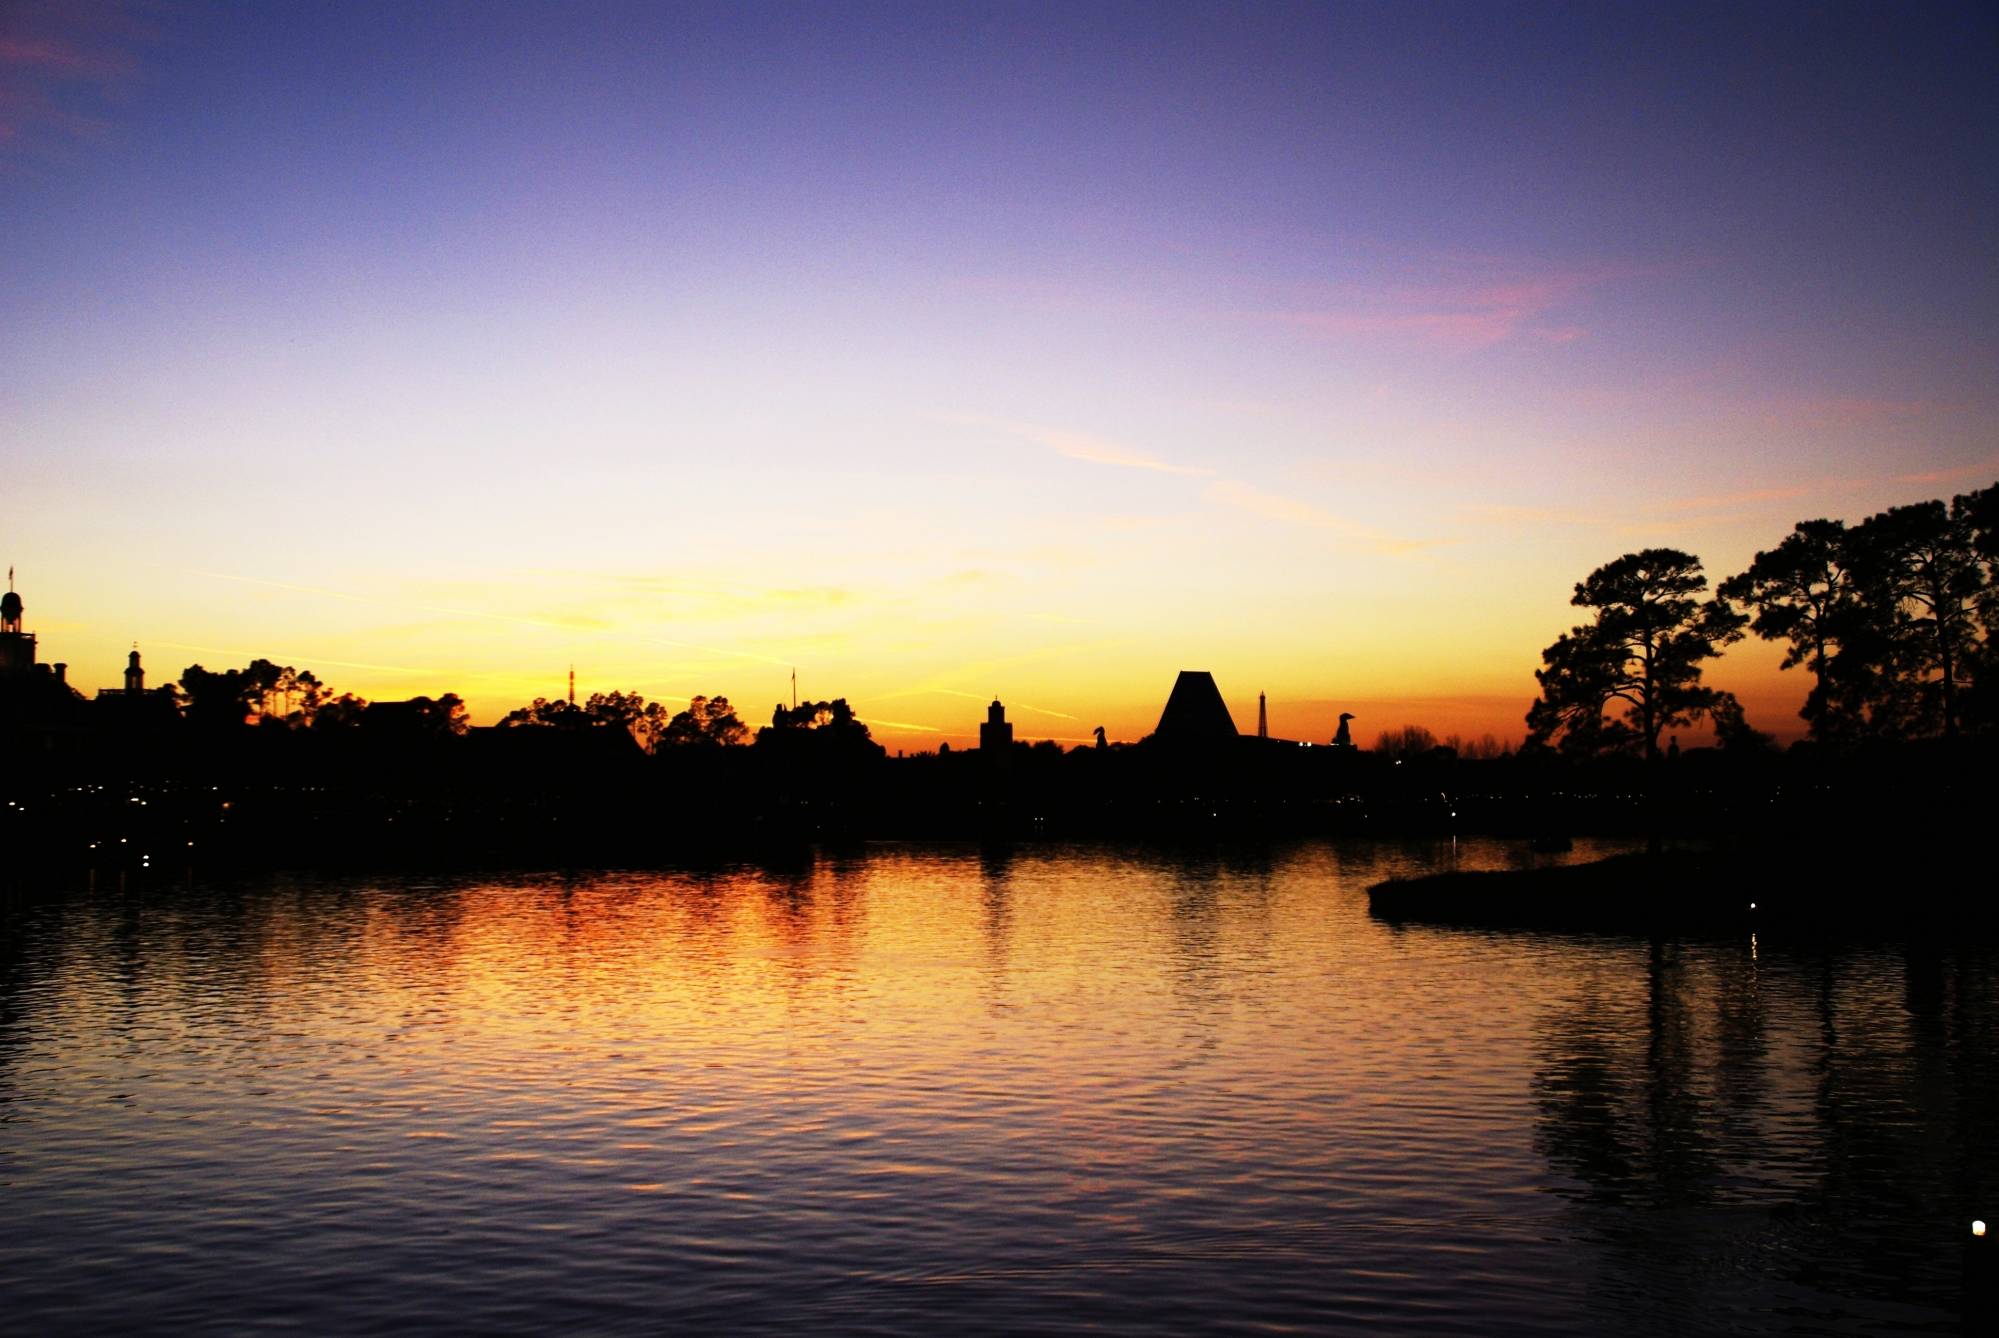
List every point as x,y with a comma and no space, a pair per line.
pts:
1195,712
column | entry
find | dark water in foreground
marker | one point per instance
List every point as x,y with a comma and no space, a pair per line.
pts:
923,1091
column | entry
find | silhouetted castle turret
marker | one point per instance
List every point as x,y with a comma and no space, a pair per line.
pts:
17,648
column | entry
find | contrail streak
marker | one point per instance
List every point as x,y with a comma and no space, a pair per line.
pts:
307,660
969,696
509,618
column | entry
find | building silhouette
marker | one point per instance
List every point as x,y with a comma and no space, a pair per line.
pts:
996,734
1262,717
135,707
1195,713
17,648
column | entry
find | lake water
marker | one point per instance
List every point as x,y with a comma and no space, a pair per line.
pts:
921,1090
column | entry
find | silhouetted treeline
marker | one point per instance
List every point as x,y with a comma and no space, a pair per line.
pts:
592,795
1892,617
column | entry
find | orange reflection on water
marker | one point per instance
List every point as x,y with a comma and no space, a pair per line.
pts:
1209,1083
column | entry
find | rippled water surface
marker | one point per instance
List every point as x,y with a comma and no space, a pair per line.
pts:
928,1090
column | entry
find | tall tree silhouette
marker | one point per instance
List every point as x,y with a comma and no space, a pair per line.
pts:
818,730
342,712
1617,682
629,711
1805,591
1981,512
707,722
541,713
216,698
1925,584
441,715
624,710
276,695
1409,741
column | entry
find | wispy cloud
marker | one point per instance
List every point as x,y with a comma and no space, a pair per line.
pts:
1468,309
1082,446
60,63
1744,497
580,625
1225,491
742,599
1452,300
1666,515
1848,411
1499,513
899,726
970,696
1983,469
1097,451
1851,495
304,661
1276,506
992,671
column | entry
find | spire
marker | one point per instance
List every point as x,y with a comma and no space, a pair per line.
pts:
572,685
1262,718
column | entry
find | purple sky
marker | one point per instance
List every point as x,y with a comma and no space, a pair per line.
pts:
944,351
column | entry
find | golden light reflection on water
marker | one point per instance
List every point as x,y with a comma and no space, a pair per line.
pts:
921,1085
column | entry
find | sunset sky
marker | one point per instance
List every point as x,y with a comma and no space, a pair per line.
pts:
944,351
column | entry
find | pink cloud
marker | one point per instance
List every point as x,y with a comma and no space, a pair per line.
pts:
60,57
58,63
1849,410
1982,469
1472,313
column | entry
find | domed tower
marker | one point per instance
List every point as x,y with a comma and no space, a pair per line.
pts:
135,676
17,648
996,735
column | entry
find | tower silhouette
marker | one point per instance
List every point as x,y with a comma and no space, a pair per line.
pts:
996,734
135,675
1262,718
17,648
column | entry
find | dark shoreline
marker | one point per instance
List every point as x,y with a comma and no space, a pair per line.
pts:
1728,891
